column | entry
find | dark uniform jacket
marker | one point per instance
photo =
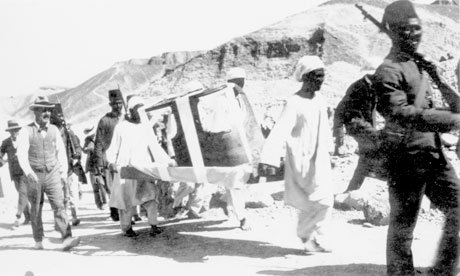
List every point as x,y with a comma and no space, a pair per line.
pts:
404,99
104,135
88,148
13,164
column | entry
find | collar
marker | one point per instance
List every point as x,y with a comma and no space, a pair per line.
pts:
45,128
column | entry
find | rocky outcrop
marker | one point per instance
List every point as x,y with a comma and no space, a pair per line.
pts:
347,44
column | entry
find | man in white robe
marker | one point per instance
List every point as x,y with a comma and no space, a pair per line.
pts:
134,143
304,131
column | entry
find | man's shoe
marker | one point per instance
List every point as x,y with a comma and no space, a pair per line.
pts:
16,223
312,246
75,222
38,246
130,233
137,218
70,243
155,230
27,221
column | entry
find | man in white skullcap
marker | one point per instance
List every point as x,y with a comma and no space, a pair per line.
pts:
134,142
304,131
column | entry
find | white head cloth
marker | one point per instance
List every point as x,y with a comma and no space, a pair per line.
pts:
307,64
135,100
236,73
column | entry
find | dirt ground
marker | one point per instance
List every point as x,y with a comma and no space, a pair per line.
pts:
212,245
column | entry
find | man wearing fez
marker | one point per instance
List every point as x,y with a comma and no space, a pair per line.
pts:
417,164
104,133
9,147
42,157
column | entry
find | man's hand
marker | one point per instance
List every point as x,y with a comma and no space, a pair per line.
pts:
172,163
267,170
32,178
113,168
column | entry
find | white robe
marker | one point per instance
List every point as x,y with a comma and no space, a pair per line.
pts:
303,129
133,144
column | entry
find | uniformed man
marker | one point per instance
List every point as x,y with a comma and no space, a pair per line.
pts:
417,164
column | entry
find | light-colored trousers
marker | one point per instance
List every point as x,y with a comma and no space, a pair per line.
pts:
315,222
150,206
235,198
74,199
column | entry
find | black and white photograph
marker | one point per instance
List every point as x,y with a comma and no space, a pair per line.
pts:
201,137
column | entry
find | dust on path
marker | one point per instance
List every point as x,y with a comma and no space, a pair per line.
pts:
209,246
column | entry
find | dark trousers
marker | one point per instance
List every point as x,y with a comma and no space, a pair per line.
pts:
23,202
100,197
411,177
49,183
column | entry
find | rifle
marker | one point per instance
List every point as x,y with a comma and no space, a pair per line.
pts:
452,97
125,106
60,112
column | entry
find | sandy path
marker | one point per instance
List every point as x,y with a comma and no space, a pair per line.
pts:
209,246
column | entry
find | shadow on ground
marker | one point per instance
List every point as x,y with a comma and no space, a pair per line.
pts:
339,270
187,246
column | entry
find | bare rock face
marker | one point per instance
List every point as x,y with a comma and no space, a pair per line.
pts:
377,210
348,45
354,200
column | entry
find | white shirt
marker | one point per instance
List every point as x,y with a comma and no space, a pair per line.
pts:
23,151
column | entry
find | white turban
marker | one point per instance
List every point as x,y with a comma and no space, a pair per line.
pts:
236,73
307,64
133,101
193,86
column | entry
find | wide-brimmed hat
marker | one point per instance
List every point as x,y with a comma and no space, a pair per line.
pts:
41,102
13,125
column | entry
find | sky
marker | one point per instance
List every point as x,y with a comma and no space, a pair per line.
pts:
65,42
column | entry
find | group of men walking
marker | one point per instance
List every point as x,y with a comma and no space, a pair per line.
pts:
417,167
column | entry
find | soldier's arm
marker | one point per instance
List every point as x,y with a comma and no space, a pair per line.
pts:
339,120
394,106
88,146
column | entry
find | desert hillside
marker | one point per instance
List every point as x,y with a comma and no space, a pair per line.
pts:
349,44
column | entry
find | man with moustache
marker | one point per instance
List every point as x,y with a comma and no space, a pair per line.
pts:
42,157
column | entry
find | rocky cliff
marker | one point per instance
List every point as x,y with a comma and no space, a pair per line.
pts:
336,30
